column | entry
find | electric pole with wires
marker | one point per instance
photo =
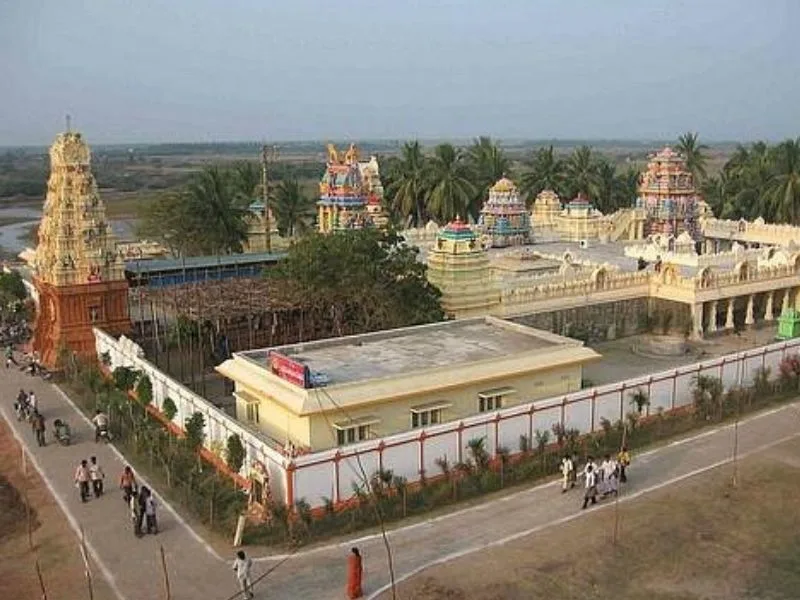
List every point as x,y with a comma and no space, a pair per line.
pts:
268,154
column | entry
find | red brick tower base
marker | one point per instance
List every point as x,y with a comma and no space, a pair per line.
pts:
66,315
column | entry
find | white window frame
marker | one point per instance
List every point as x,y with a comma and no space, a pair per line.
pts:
354,430
428,414
491,400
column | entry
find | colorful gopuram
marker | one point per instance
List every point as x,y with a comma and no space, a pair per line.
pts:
504,220
668,195
371,176
459,267
78,273
342,193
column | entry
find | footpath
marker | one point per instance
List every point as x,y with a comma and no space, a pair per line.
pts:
133,566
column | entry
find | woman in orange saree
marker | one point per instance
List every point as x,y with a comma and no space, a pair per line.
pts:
355,570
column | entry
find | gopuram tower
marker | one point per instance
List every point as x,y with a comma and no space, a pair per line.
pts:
78,274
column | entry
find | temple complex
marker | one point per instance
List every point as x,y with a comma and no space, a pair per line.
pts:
459,267
667,193
504,220
78,274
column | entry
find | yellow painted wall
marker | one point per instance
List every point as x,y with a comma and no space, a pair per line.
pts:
275,420
395,415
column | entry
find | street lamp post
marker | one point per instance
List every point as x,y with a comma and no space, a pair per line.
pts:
268,154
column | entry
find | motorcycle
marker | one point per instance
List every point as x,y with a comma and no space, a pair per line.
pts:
103,434
62,432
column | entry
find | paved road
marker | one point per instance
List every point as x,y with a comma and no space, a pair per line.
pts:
132,565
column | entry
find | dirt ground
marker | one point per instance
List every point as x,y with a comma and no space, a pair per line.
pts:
55,545
702,539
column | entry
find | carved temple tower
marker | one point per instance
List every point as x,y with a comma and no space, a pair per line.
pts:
667,193
78,274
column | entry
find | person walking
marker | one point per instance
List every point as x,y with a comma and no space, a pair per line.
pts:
567,467
151,525
33,402
38,427
127,483
624,460
133,507
573,478
82,478
141,507
355,572
242,565
96,474
590,483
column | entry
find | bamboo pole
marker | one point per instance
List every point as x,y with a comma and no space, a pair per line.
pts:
167,590
41,580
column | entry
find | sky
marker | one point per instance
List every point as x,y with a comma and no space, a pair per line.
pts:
141,71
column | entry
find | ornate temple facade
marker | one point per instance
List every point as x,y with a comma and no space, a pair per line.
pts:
546,208
504,220
350,193
78,273
668,195
579,220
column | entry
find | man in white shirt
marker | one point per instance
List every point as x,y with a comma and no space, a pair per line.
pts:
567,467
242,566
96,475
100,421
590,483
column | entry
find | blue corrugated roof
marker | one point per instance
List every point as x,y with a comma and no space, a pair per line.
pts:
200,262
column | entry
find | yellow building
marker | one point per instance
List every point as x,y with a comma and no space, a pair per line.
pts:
322,394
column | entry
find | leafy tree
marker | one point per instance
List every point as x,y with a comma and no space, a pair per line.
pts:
235,453
581,174
449,188
366,279
546,172
407,187
12,287
125,378
294,211
692,153
215,204
639,399
246,181
195,426
784,188
487,163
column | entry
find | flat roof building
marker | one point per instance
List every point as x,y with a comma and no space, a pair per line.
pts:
333,392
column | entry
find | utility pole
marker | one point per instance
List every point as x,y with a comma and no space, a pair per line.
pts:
267,154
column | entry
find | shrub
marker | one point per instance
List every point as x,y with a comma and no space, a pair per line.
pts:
707,396
790,372
761,382
478,452
639,399
168,408
235,453
194,430
144,390
125,378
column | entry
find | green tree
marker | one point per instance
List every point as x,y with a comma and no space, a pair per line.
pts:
487,163
581,174
235,453
450,190
545,172
195,430
168,408
246,181
407,187
366,280
218,210
692,153
294,211
12,287
784,188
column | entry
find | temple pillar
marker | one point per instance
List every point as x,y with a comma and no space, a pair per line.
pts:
785,305
729,324
712,318
768,316
749,320
697,321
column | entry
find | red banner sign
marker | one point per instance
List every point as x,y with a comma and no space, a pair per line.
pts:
292,371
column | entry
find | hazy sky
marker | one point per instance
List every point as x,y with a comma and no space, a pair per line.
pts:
216,70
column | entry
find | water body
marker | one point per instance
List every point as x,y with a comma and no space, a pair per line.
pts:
12,235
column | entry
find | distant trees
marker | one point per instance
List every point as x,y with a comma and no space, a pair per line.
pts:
759,180
294,212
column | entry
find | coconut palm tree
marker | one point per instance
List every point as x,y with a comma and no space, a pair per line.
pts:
608,187
246,180
219,212
407,187
294,211
546,172
784,189
487,163
449,189
580,174
693,155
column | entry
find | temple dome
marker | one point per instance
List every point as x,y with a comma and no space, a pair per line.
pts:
504,185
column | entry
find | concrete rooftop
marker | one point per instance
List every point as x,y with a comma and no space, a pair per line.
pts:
396,352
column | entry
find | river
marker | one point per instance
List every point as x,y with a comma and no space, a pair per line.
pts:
12,235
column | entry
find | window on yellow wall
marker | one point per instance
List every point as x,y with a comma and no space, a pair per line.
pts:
251,410
493,399
351,435
428,414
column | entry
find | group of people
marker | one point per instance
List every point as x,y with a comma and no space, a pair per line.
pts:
26,406
89,473
599,480
141,502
